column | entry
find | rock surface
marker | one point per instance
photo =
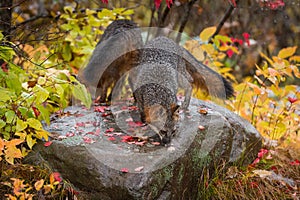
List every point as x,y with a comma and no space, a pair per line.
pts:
100,159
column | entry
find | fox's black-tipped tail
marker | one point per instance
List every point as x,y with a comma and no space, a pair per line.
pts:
228,88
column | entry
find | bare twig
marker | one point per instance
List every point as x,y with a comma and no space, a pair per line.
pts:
13,6
224,19
33,19
185,19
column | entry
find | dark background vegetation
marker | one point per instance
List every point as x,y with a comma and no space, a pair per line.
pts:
270,29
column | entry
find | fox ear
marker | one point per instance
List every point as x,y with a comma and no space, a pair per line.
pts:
154,113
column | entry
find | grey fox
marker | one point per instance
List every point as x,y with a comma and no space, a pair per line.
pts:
163,67
113,56
156,83
159,68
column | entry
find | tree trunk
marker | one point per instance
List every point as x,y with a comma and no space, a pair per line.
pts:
5,17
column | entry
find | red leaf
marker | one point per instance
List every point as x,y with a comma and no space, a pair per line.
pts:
88,140
70,134
111,139
253,184
246,37
255,162
97,132
47,144
232,2
135,124
155,143
133,108
229,53
109,130
296,163
292,100
105,114
125,170
127,138
105,1
36,111
169,2
140,143
80,124
157,3
57,176
262,152
100,109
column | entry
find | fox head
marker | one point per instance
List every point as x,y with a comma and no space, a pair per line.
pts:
162,120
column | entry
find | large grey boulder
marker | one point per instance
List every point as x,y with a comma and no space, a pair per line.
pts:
105,165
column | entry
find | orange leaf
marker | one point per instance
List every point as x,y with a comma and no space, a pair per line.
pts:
18,186
12,151
295,58
2,144
39,184
287,52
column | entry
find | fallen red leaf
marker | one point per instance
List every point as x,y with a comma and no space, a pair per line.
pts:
109,130
80,124
133,108
100,109
135,124
142,143
47,144
155,143
125,170
105,114
70,134
111,139
127,138
88,140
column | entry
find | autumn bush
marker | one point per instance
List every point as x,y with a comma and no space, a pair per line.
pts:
270,101
39,82
35,84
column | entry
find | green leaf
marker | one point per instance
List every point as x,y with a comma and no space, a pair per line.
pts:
41,94
6,135
128,12
6,53
42,80
44,113
21,125
23,111
80,92
14,83
207,33
59,90
5,95
10,115
34,123
67,52
42,134
30,141
2,123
